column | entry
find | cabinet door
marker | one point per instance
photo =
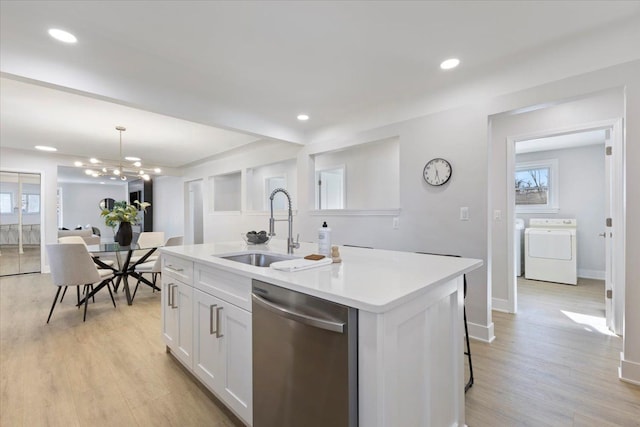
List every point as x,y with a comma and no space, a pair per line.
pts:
236,389
169,315
183,304
207,349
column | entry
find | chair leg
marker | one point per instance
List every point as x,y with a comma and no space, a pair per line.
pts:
468,352
154,276
64,292
86,302
55,299
78,294
93,298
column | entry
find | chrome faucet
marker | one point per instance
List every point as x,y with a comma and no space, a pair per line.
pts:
290,243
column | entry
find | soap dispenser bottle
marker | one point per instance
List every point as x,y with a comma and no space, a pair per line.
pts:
324,240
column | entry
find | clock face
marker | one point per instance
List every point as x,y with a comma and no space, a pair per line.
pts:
437,171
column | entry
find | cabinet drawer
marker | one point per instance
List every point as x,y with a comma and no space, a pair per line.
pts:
178,268
229,287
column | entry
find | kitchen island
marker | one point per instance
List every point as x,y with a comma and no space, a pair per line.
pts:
410,344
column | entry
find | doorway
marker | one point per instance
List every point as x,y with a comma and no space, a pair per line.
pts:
591,197
194,233
20,219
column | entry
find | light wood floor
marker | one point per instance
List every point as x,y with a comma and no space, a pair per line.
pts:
543,369
111,370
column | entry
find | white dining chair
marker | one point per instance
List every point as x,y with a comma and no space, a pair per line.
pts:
148,240
72,265
78,239
155,267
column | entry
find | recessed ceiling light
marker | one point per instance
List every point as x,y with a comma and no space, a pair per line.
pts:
62,35
303,117
132,159
45,148
450,63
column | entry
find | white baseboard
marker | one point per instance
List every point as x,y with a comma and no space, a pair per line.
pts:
481,332
629,371
501,305
591,274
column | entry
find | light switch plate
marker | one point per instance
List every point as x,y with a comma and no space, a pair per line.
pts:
497,215
396,222
464,213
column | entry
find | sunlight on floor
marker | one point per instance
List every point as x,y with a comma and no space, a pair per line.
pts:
592,323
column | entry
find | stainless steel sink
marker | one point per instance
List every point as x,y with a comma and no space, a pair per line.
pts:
256,258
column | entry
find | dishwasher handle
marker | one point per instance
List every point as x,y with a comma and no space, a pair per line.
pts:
298,317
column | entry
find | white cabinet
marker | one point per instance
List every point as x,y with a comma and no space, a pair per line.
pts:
222,351
177,318
206,324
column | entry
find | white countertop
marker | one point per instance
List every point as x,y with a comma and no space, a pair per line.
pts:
367,279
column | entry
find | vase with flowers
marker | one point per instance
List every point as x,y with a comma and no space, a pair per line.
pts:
124,215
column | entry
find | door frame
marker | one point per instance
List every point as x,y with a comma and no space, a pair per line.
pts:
617,202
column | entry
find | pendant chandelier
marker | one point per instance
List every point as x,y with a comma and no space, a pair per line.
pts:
125,171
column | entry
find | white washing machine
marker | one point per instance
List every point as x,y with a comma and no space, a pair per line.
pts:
550,250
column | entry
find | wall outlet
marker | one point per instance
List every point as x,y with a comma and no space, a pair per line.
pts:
464,213
396,222
497,215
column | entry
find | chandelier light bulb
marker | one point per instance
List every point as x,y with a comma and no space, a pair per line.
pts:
77,163
157,170
104,170
123,177
88,171
116,171
137,164
93,160
146,177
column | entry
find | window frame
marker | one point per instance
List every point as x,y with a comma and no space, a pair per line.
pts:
553,200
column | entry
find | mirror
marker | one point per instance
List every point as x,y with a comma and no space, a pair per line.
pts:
106,204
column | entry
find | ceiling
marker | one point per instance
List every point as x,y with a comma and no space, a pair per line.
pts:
191,79
558,142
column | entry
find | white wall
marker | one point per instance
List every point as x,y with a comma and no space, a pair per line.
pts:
80,205
581,196
168,197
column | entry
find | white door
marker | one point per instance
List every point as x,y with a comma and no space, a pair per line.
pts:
207,351
183,301
169,313
237,391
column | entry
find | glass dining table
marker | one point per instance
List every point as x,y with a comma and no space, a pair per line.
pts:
124,266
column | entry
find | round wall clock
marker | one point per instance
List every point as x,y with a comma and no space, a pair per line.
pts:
437,171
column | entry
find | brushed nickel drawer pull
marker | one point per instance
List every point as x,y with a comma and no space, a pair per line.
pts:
211,331
218,334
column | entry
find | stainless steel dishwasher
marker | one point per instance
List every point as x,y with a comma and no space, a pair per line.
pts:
305,360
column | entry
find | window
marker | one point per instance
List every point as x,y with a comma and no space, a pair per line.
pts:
31,203
5,203
536,186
